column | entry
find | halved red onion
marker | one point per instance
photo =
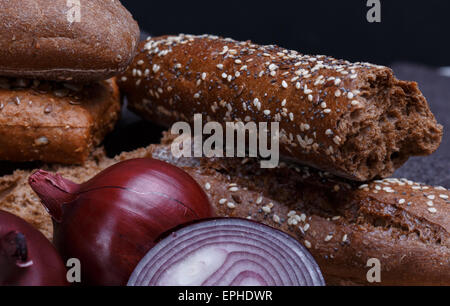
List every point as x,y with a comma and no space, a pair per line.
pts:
227,252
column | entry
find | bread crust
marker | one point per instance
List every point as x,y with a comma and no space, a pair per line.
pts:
38,41
343,224
353,120
53,122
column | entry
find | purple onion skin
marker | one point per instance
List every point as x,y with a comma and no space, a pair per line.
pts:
253,251
27,258
111,221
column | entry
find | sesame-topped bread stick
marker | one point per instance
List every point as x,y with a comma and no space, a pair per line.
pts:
354,120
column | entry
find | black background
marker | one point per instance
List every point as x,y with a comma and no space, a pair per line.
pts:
411,30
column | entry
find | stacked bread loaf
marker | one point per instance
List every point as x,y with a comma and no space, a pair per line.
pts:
57,98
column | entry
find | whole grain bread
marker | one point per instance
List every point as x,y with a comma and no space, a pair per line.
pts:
55,122
51,41
405,225
355,120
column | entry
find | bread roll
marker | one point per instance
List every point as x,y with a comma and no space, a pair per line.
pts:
405,225
74,40
353,120
55,122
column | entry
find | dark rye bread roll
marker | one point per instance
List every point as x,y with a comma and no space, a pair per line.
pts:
353,120
55,122
405,225
43,39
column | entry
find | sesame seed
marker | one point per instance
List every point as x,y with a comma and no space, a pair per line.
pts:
220,66
350,95
204,76
401,201
329,132
344,239
432,210
276,219
443,196
323,105
284,102
431,197
273,67
306,227
222,201
337,93
307,244
266,209
388,189
297,85
233,189
327,111
291,116
284,84
337,140
328,238
354,102
267,112
224,75
259,200
292,213
231,205
310,98
41,141
430,203
207,186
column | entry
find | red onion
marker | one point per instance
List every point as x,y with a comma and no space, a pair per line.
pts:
227,252
27,258
110,222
